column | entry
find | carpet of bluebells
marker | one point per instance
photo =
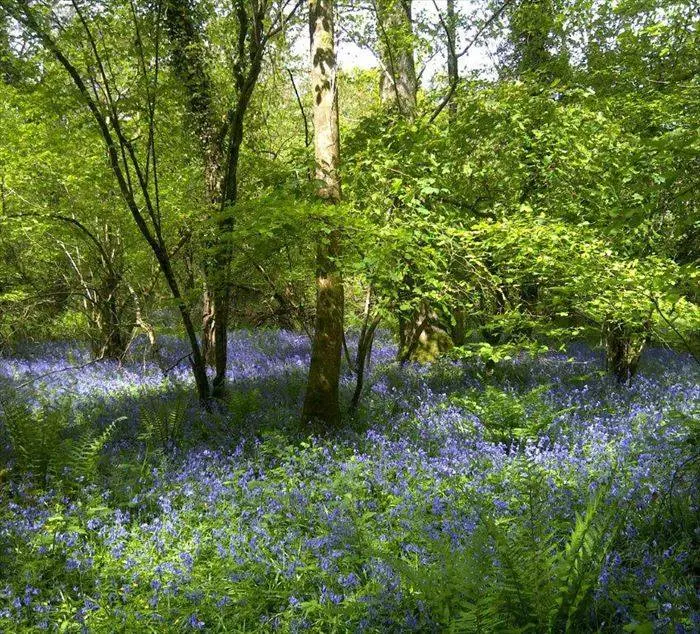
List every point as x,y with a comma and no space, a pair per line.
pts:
240,520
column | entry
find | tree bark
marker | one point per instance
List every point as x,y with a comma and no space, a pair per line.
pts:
399,91
321,401
189,64
364,353
452,61
220,145
398,83
623,348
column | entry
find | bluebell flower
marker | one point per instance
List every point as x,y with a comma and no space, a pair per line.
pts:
195,623
72,564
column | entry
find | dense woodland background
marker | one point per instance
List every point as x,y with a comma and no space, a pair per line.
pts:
551,198
474,241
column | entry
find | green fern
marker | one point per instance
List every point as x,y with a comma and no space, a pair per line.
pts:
510,417
516,575
163,425
82,454
578,565
43,442
241,403
36,437
547,583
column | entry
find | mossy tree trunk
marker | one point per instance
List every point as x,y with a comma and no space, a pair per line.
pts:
220,139
398,83
623,349
189,63
321,401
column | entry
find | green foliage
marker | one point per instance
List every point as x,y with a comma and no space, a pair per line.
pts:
242,403
488,219
49,442
162,424
553,201
82,454
509,417
517,576
492,354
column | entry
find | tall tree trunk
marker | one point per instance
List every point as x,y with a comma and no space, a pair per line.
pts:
189,64
321,402
531,30
8,70
457,330
452,61
223,253
398,82
399,91
530,22
221,148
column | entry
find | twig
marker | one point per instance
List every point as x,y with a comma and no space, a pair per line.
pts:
68,369
307,140
453,87
655,302
174,365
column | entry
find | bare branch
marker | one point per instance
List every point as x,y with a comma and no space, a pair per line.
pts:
307,138
453,85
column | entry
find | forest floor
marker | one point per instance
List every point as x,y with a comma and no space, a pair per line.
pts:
537,495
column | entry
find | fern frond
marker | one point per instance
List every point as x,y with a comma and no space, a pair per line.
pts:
43,441
81,455
579,563
516,575
163,425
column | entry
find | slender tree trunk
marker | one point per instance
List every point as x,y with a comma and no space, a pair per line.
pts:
399,88
224,250
452,61
221,147
117,144
399,91
363,341
189,64
398,83
321,402
364,353
116,338
457,332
